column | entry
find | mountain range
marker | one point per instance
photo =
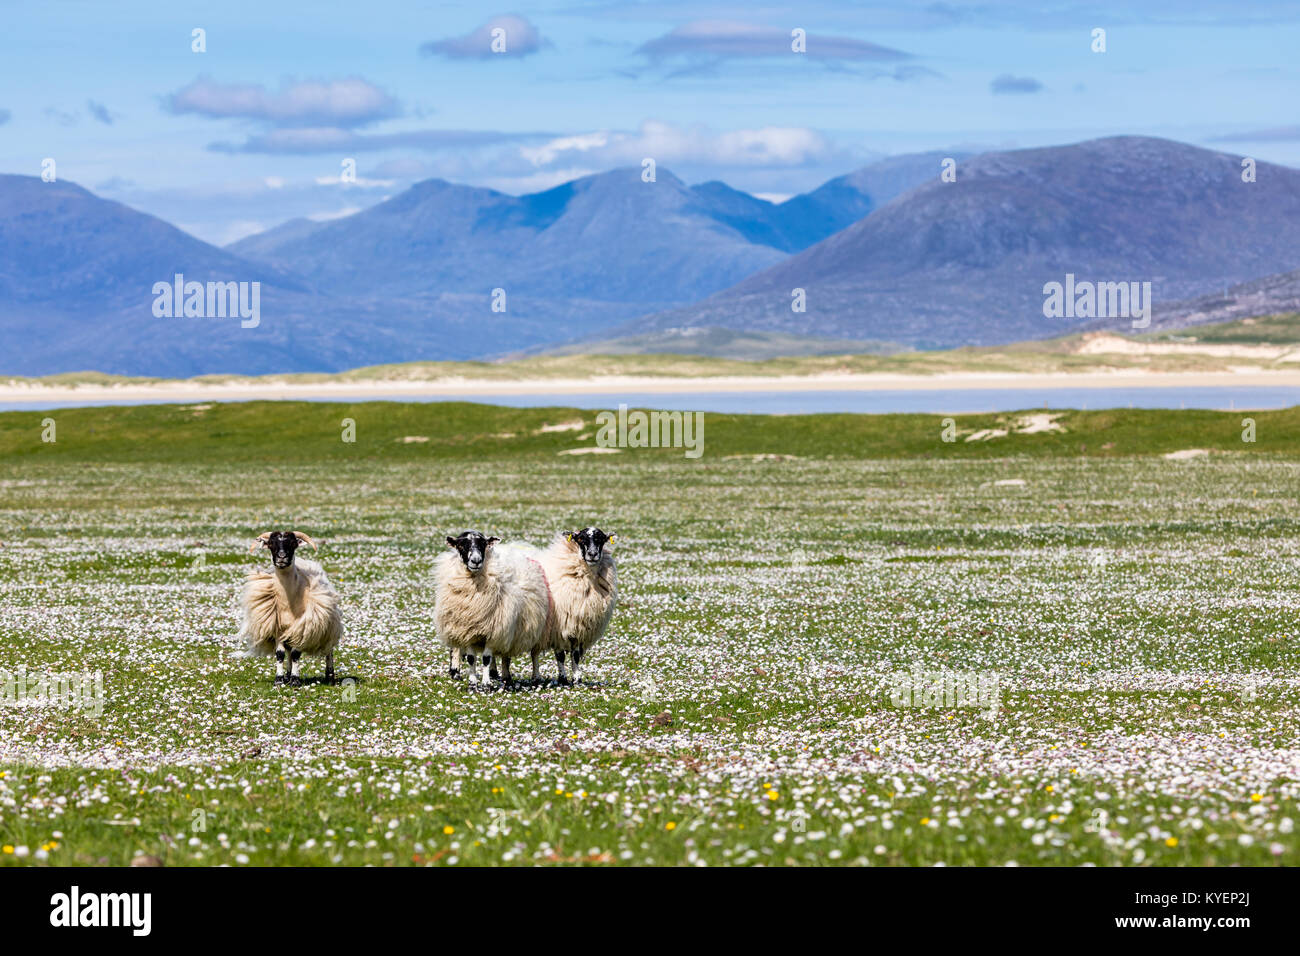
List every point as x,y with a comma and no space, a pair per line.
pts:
410,278
888,255
966,262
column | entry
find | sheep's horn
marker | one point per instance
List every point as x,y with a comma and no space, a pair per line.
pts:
260,542
302,537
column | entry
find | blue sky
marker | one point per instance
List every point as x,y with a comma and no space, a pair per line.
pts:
254,131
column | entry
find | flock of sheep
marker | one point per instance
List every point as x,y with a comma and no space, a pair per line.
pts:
492,603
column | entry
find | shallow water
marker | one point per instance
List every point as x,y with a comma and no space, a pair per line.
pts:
878,402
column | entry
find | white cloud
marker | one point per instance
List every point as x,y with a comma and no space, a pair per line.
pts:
333,139
520,38
668,144
546,153
536,182
337,103
727,39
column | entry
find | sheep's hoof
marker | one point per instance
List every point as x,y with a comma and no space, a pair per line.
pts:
455,673
329,679
281,678
563,682
294,681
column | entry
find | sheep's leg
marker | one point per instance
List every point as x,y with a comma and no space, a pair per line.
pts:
559,660
480,660
537,671
295,667
280,654
577,654
506,680
329,668
492,667
489,668
455,663
471,668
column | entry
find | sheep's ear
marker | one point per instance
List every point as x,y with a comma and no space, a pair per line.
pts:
612,538
262,538
492,541
302,538
568,536
451,542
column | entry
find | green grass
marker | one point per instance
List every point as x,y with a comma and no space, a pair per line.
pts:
1264,330
282,432
1138,615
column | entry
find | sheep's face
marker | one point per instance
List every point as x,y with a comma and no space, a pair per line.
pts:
473,549
590,543
281,544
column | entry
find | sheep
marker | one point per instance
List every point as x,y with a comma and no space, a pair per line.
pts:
292,612
490,602
583,579
537,627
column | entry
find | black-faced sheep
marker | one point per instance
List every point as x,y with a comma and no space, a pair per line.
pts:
583,579
490,602
293,611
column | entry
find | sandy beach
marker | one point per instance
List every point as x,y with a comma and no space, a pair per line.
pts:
185,392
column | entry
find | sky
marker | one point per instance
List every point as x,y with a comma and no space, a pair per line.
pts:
259,126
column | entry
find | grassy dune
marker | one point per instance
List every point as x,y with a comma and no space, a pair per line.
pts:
1059,355
1265,330
1133,617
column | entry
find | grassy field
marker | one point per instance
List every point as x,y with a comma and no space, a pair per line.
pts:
1264,330
1131,620
276,434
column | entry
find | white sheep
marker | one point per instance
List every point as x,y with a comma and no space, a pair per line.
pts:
490,602
536,631
583,580
292,612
